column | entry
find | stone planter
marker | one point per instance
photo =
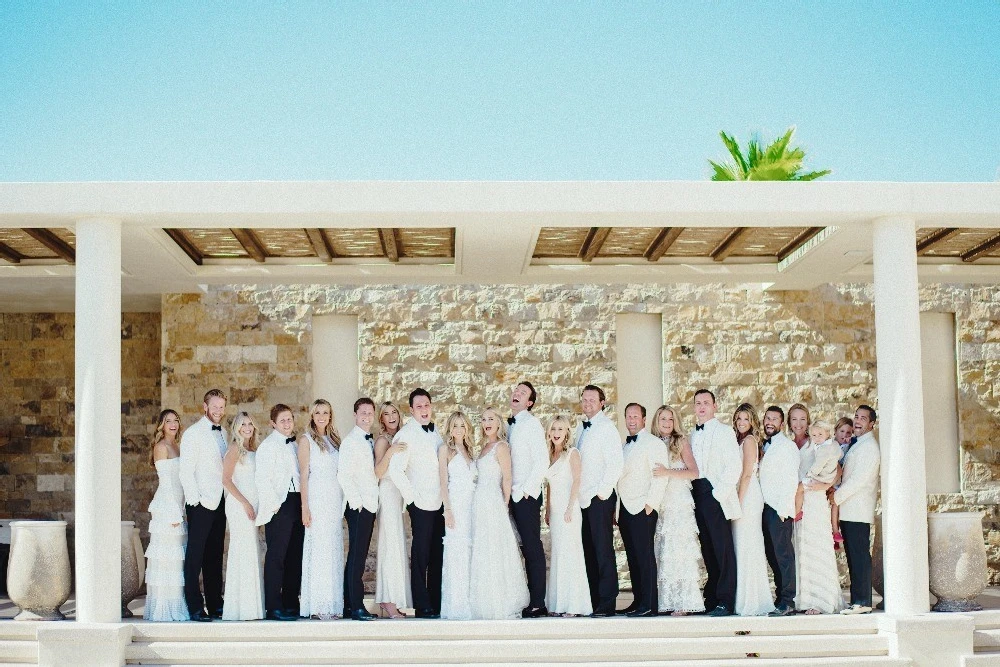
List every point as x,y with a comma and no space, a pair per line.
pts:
957,558
38,575
131,577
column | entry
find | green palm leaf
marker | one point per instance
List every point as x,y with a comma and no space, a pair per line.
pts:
778,161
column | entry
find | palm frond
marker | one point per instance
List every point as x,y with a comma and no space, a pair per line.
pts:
723,172
813,175
734,149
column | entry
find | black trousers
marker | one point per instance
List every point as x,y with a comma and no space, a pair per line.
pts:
527,513
637,535
203,557
717,549
599,552
857,548
360,523
780,554
426,557
284,534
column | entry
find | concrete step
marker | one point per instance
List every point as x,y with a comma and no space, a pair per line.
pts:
19,630
878,661
18,651
981,660
986,640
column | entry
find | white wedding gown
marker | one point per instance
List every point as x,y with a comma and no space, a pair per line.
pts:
817,580
753,590
244,598
322,591
498,587
455,600
568,591
165,564
678,552
392,567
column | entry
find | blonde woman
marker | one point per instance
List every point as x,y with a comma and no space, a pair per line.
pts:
322,594
458,484
678,551
392,568
167,530
498,587
244,599
568,593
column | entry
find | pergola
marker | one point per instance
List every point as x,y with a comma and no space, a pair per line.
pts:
94,247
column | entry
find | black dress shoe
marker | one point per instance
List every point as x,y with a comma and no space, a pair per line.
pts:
362,615
200,617
782,610
538,612
627,610
641,612
216,614
426,613
721,610
603,613
280,615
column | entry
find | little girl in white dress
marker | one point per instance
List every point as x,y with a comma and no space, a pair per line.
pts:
458,484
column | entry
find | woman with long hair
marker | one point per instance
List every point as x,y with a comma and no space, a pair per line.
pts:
244,598
568,593
458,484
392,568
322,594
753,591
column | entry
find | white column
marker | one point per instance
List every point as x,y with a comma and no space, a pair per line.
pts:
900,403
98,421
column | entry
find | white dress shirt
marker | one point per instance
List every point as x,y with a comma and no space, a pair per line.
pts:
779,475
858,492
415,470
637,487
201,464
719,461
601,458
356,471
276,474
529,455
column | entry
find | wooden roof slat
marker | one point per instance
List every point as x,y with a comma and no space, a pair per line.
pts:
390,243
662,243
798,242
320,245
53,243
729,244
184,243
9,254
592,246
940,235
250,243
983,248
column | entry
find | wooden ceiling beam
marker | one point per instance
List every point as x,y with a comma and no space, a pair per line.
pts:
981,249
250,243
798,242
730,243
390,243
320,246
592,245
48,239
184,243
661,244
937,237
9,254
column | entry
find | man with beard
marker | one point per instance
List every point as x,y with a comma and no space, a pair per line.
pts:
779,481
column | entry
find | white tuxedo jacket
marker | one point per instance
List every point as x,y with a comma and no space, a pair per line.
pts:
858,492
277,470
637,487
356,471
719,461
779,475
601,458
529,456
415,470
201,464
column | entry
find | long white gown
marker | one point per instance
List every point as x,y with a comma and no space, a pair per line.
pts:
322,591
678,552
498,587
392,567
165,554
455,600
567,591
753,590
817,581
244,597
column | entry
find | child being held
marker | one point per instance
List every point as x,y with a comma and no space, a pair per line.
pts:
825,464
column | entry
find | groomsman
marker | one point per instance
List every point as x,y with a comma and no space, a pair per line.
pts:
279,510
779,482
356,475
600,467
640,494
716,501
201,478
415,473
856,498
529,461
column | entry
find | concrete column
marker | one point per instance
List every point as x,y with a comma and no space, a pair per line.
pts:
901,419
98,421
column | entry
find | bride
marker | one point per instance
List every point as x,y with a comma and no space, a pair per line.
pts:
497,585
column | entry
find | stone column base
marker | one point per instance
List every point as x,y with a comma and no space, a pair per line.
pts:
83,644
930,640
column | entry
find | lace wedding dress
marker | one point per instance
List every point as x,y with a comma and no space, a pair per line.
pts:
322,592
568,591
753,590
244,598
678,552
455,600
165,565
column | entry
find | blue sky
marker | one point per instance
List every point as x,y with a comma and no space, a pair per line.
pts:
177,90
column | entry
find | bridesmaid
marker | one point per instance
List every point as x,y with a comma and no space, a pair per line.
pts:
568,593
458,483
322,594
244,598
753,591
167,530
392,567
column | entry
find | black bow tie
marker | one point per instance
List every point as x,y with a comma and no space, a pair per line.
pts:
428,428
767,442
632,438
699,427
290,440
586,425
510,421
216,427
369,436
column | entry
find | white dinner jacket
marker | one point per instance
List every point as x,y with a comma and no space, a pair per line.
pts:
277,465
858,492
201,464
415,470
356,471
601,458
779,475
529,456
637,487
721,463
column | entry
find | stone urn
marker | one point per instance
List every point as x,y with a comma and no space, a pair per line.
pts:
131,579
38,574
957,558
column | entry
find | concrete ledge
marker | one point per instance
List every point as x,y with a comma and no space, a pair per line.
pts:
930,640
83,644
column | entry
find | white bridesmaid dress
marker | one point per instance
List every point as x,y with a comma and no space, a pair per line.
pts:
165,554
392,566
244,596
322,591
456,603
753,590
567,589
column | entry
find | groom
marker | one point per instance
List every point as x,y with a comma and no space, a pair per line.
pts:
779,480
